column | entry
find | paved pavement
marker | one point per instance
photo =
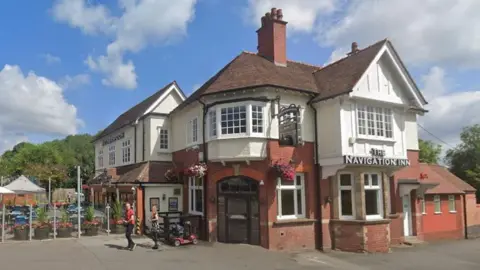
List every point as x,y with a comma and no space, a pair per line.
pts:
106,252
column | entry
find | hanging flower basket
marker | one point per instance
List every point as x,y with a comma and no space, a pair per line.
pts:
197,170
171,175
284,170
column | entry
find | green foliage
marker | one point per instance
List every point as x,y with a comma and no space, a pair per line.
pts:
42,215
429,152
90,214
117,210
65,218
56,159
464,160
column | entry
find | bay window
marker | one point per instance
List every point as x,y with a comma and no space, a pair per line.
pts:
373,196
374,122
291,197
195,195
237,119
346,198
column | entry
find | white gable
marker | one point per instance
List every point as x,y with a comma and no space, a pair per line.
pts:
386,80
168,101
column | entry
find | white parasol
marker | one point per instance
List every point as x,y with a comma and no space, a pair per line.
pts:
5,191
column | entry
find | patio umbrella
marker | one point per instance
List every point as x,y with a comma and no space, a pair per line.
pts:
5,191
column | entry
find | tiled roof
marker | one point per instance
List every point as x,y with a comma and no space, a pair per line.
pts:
452,178
249,70
133,113
145,172
444,185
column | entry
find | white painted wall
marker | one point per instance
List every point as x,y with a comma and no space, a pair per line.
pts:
154,152
329,129
169,103
129,134
157,191
411,130
179,122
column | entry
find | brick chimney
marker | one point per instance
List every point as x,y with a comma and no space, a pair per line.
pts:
272,37
354,49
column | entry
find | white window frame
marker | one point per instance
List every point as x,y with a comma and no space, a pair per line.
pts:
379,190
159,136
352,189
111,150
100,158
423,206
437,202
212,123
192,196
452,208
193,131
217,110
380,124
126,151
295,188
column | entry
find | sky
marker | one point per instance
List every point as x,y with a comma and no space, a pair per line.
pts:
72,66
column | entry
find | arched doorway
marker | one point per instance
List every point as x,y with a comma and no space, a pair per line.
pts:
238,219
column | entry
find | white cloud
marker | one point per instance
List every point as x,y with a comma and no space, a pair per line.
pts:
74,81
142,22
300,15
51,59
32,104
449,111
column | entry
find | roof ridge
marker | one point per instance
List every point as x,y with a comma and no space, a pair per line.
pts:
288,60
348,56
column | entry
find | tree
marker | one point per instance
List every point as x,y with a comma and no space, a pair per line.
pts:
464,160
429,152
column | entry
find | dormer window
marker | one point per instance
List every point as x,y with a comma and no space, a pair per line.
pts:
374,122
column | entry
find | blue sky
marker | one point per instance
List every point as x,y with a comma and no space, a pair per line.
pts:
54,39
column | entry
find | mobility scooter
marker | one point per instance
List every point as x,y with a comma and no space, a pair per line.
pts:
181,234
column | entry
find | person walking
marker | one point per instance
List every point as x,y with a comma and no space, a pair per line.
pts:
155,226
130,223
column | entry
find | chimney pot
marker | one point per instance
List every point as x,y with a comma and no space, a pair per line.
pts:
274,13
354,47
279,14
264,20
268,15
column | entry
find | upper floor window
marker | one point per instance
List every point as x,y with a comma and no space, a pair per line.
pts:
163,138
126,152
195,195
100,158
374,121
240,119
233,120
111,155
192,131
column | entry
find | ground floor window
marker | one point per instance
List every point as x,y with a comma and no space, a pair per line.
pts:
195,195
451,204
291,197
346,204
437,204
373,196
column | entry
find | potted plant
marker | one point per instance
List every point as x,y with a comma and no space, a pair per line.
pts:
284,170
64,227
116,223
21,231
42,226
90,224
197,170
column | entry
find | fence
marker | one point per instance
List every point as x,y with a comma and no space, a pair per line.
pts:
27,223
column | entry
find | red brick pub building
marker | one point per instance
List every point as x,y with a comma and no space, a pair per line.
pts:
301,156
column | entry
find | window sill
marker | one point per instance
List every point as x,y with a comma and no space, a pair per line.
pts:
452,212
293,221
362,222
378,139
237,136
424,214
438,213
195,213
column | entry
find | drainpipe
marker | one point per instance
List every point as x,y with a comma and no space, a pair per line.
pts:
205,160
318,211
465,215
135,141
143,140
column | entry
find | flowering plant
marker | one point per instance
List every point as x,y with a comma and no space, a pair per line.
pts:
284,171
90,224
21,227
197,170
90,220
116,221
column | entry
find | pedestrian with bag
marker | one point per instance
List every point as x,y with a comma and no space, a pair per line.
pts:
155,230
129,224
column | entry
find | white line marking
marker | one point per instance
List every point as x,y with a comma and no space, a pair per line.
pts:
314,259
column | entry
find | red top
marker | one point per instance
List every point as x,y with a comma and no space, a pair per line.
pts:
129,215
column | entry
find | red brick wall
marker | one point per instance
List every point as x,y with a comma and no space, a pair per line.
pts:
361,236
19,200
473,216
396,229
445,225
377,238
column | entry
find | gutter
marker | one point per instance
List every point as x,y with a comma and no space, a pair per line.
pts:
205,160
317,175
465,215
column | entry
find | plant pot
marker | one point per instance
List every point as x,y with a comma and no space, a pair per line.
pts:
21,234
41,233
64,232
117,228
91,231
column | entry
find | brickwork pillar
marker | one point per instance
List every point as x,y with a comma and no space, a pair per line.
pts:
386,195
359,196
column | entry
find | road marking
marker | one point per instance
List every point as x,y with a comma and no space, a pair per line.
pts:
314,259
